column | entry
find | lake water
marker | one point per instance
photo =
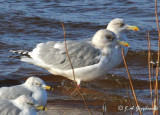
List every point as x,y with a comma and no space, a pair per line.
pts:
25,23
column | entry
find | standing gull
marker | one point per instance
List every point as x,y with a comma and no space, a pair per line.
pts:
91,59
23,105
34,87
120,28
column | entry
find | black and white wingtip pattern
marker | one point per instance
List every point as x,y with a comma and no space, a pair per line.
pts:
20,52
154,62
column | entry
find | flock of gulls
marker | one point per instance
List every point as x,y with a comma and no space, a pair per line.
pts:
91,59
24,99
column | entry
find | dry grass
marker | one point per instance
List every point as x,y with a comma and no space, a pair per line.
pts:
156,102
149,69
130,81
154,98
84,100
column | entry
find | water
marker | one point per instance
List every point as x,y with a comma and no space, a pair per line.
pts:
23,24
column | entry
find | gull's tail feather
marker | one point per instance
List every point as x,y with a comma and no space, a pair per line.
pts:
25,57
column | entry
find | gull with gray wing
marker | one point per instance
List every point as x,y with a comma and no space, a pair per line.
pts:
34,87
91,59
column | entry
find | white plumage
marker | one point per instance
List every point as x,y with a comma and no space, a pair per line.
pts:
91,59
34,87
23,105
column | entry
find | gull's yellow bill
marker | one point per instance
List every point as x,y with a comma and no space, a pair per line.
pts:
134,28
48,87
123,43
41,108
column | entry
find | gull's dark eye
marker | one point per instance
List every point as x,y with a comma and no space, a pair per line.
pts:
121,24
38,84
110,37
30,103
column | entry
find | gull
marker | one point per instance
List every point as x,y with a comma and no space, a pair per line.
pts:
120,28
34,87
90,59
23,105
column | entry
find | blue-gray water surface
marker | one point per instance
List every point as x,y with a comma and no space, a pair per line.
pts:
25,23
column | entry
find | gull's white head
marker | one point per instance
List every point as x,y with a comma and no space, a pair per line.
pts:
118,25
36,83
105,38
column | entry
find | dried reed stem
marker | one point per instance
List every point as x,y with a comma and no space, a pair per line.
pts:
130,81
149,67
153,74
129,99
84,100
154,112
157,68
